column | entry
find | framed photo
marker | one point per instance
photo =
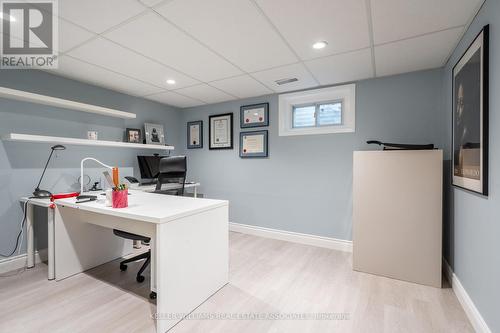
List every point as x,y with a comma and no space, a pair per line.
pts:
256,115
470,116
253,144
195,134
133,135
220,128
155,134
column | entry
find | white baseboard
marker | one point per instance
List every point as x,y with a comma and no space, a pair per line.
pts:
470,309
19,261
295,237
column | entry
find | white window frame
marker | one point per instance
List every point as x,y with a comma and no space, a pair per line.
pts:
345,93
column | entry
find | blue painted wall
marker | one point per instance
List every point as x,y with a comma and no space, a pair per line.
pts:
306,183
22,163
474,226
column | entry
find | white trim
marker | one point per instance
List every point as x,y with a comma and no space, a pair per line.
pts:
470,309
295,237
345,93
80,142
19,261
20,95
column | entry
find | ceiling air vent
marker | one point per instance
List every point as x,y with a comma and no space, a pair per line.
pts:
286,81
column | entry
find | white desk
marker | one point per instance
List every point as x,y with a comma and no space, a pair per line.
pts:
166,187
189,245
30,239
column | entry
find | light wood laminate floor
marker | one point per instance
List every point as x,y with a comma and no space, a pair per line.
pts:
266,277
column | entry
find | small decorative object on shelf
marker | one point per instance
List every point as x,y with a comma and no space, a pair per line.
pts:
133,135
92,135
120,196
155,135
256,115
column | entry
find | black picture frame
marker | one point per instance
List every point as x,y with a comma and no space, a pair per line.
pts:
136,130
247,122
470,117
199,144
212,145
264,153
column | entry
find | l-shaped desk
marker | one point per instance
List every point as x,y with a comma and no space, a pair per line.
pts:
189,245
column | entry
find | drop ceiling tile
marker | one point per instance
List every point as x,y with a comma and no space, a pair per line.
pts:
168,45
343,24
71,35
426,52
233,28
344,67
119,59
397,19
174,99
242,86
99,15
151,3
268,78
81,71
205,93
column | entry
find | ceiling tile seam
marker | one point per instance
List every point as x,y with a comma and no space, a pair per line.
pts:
369,17
337,54
419,35
199,41
466,27
283,39
115,72
263,83
221,90
214,81
177,93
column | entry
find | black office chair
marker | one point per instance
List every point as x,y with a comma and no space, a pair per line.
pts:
171,168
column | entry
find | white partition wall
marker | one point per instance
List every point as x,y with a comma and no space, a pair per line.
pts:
397,214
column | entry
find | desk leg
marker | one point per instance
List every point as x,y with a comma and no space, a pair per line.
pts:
51,244
30,239
152,246
196,191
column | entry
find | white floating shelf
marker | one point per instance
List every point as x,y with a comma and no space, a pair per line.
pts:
62,103
79,142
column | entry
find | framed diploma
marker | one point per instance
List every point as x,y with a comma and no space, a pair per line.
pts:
256,115
253,144
220,129
195,134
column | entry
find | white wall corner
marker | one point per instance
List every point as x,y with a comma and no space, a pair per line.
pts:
477,321
294,237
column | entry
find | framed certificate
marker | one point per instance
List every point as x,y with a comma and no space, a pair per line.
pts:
253,144
256,115
195,134
220,128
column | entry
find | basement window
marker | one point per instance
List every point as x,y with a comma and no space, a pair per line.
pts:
318,111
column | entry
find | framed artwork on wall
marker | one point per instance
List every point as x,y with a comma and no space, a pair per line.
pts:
256,115
220,128
155,134
470,116
195,134
254,144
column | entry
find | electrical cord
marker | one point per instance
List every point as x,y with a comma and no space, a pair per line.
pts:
20,234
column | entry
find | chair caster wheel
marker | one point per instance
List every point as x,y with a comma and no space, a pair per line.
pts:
152,295
140,278
123,267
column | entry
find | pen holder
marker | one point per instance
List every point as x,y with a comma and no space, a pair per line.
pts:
120,199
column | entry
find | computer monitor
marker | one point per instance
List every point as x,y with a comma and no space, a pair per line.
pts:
149,166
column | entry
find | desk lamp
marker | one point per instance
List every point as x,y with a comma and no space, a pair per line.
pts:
113,169
44,194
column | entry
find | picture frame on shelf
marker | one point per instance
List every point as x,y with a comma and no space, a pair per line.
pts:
254,144
154,134
195,134
220,128
133,135
254,115
470,116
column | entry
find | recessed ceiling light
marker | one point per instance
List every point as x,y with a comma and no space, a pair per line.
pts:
170,81
7,17
320,45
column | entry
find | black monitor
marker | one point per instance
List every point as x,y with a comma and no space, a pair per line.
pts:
149,166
